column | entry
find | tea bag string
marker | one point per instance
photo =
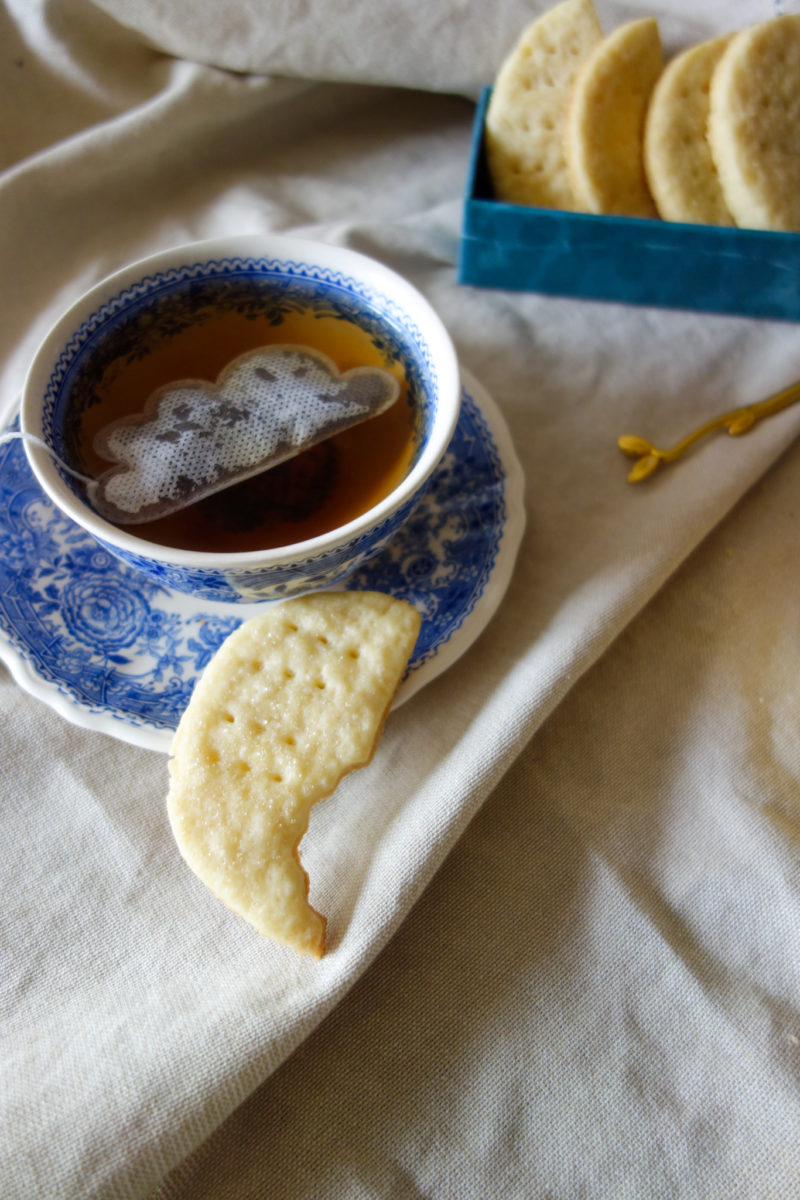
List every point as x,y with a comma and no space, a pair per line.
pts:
20,435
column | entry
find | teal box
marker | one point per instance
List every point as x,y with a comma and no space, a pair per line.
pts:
705,268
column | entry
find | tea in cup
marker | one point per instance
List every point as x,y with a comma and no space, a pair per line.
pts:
207,329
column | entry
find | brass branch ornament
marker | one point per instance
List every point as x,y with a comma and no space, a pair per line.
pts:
737,421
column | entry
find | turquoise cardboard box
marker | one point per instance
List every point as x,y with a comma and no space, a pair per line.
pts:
705,268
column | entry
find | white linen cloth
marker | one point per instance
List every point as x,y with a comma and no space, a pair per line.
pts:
564,899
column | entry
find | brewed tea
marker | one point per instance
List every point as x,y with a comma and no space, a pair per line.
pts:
194,333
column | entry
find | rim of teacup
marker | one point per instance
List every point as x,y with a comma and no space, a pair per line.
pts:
375,275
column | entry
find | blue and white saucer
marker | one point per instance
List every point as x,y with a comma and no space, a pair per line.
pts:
113,651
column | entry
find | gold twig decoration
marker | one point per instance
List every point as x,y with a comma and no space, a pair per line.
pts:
737,422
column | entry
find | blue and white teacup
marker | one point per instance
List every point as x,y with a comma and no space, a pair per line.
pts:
173,287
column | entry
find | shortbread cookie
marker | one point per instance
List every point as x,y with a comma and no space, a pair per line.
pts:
524,120
677,158
754,125
293,700
605,122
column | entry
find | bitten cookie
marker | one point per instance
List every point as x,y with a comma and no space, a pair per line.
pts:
294,699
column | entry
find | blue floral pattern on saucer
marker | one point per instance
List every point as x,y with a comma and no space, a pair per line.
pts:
115,651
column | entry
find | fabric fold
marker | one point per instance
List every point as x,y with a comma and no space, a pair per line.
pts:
137,1014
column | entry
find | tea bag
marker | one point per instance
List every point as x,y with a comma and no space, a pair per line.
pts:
195,438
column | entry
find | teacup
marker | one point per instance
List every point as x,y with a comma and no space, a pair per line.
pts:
185,312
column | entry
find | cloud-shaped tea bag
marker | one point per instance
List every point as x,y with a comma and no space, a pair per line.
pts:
195,437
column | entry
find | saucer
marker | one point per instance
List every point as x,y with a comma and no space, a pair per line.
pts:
115,652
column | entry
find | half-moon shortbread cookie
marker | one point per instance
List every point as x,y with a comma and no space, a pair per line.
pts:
525,117
754,125
677,157
605,122
293,699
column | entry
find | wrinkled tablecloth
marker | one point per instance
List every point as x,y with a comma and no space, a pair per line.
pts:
564,899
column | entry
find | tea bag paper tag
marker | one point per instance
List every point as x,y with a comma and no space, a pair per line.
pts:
195,437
